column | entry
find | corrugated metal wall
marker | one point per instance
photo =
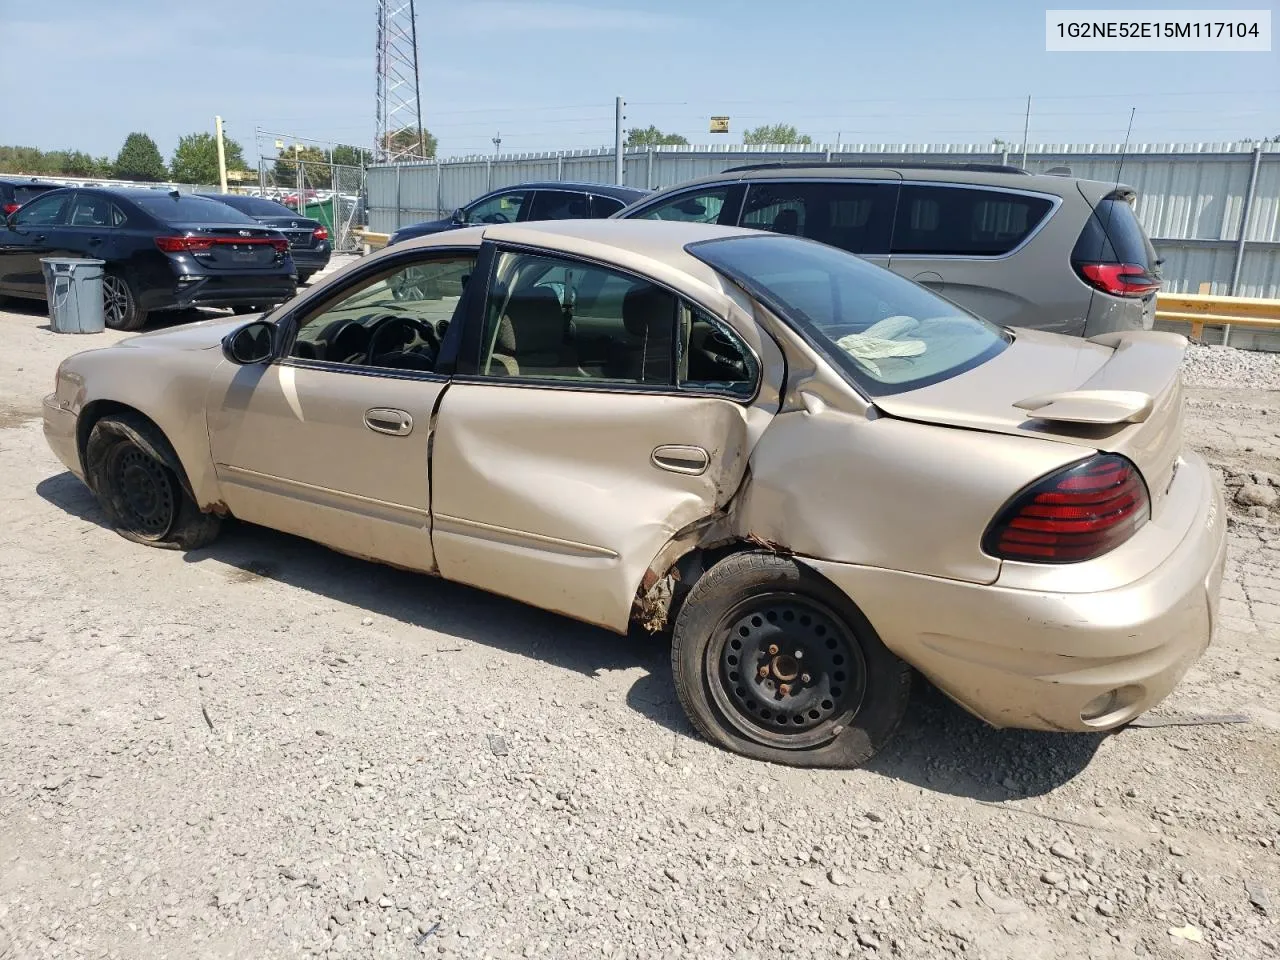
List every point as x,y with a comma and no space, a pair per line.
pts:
1190,195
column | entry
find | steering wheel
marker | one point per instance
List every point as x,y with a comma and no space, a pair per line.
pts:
497,217
723,351
379,327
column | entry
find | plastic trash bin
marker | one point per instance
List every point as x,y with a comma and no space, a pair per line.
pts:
73,288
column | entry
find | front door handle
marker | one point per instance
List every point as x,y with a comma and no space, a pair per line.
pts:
94,241
398,423
679,458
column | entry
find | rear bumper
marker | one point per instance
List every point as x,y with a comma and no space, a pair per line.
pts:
1045,660
60,434
312,258
221,291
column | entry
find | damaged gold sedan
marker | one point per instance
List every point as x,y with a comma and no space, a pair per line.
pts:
817,475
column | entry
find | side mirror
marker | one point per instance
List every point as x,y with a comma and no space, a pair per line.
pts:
252,343
458,216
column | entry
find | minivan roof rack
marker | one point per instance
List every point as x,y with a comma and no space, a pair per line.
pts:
916,165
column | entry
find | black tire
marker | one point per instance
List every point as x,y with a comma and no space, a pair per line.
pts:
304,276
836,708
120,303
127,461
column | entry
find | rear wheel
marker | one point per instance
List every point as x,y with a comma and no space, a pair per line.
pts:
127,462
304,276
773,662
120,307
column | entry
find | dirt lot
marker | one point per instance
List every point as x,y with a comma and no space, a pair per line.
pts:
265,749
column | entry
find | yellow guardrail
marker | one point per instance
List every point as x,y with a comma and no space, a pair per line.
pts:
1205,309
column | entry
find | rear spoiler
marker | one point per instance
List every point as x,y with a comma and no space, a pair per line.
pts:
1125,388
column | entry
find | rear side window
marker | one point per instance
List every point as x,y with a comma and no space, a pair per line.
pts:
602,207
962,222
1114,235
857,217
187,209
558,205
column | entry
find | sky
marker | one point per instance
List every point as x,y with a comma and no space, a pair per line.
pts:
82,74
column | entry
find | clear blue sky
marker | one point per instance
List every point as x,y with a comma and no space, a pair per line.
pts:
83,73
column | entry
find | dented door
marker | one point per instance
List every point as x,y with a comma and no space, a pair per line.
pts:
562,497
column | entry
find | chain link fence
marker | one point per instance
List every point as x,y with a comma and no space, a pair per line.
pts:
331,193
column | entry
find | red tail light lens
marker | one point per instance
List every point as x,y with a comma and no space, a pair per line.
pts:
205,244
11,208
1076,514
1118,279
320,233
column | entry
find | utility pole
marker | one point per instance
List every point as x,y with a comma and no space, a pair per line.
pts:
1026,131
617,140
497,144
222,156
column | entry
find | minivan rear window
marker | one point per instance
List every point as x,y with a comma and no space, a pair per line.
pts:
1114,235
964,222
885,333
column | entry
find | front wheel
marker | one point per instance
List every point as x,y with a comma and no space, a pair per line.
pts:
127,463
773,662
120,309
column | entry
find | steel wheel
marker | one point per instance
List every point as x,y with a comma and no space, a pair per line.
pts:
785,671
145,491
117,301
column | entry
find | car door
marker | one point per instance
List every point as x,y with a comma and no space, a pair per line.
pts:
961,241
572,444
330,441
92,224
30,235
854,215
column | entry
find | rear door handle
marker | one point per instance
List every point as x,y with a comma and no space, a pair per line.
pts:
397,423
678,458
94,241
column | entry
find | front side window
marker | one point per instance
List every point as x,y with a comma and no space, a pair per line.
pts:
960,221
886,333
703,206
856,217
44,211
548,318
395,320
713,358
504,208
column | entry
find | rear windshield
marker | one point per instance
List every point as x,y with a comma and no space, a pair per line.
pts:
1114,235
25,193
187,209
888,334
258,207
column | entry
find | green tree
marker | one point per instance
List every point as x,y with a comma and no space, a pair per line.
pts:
776,133
315,168
349,156
406,139
139,159
651,136
196,158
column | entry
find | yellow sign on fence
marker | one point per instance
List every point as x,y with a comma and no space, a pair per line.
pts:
719,124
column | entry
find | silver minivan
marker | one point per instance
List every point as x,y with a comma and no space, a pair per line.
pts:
1023,250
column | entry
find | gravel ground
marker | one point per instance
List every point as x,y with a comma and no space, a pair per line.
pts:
265,749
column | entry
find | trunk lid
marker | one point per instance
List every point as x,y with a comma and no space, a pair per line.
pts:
233,247
299,230
1118,393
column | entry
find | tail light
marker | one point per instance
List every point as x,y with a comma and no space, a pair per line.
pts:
205,244
11,208
320,233
1076,514
1118,279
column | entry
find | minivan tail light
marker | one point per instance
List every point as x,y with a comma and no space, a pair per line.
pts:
1118,279
320,233
1076,514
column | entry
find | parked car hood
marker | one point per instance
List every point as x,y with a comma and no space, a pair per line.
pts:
1117,392
202,335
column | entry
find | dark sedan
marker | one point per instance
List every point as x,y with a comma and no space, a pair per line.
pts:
164,250
308,239
550,200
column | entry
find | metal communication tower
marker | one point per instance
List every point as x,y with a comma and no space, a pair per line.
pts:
399,108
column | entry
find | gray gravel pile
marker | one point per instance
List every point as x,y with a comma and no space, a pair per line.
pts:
1227,368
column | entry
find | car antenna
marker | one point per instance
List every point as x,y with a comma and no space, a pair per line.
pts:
174,193
1124,148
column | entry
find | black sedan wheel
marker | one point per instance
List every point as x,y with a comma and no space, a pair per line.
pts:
120,305
773,662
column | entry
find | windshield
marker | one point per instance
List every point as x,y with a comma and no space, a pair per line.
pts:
887,333
187,209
